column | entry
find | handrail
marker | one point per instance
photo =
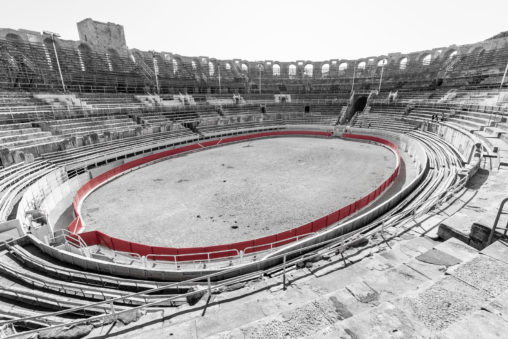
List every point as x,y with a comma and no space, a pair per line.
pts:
496,221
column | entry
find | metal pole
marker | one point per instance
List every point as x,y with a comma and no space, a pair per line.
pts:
155,72
284,273
500,89
504,76
381,79
354,75
220,89
259,67
58,62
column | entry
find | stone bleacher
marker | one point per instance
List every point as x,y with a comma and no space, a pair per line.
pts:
105,127
383,117
110,100
17,140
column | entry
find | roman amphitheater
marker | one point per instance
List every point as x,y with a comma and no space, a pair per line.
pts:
150,194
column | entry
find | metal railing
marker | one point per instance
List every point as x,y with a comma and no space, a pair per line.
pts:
337,245
495,226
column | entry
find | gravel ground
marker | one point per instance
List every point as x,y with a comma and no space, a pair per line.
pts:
237,192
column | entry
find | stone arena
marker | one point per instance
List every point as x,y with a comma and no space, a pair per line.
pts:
254,170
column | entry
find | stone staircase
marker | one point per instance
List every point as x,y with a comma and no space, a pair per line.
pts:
383,119
100,125
62,101
410,288
23,137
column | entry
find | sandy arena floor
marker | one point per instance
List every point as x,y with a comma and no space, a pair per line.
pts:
237,192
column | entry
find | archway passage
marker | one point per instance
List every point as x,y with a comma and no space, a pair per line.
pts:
359,104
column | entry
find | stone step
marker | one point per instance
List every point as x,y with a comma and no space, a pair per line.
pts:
89,123
21,137
44,139
5,127
335,295
92,129
20,131
87,119
14,270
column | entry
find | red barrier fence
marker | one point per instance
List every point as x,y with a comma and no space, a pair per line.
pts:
227,250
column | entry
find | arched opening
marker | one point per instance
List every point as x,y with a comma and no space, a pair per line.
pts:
359,104
308,70
116,61
403,63
382,62
276,70
361,65
245,68
175,66
47,47
325,70
13,37
343,66
86,56
211,68
292,70
426,60
452,55
228,66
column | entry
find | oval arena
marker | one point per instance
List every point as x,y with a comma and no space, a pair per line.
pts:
153,194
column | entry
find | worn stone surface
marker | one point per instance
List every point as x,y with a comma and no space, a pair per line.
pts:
443,303
386,321
437,257
458,249
484,273
498,250
302,321
363,292
481,324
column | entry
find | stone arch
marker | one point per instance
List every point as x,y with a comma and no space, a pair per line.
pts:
361,65
308,70
13,37
325,70
475,50
382,62
175,65
85,53
211,68
426,59
116,61
403,63
276,70
244,68
343,66
292,70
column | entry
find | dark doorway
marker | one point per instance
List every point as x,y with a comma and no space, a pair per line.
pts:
359,104
307,109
